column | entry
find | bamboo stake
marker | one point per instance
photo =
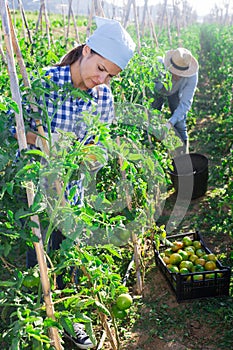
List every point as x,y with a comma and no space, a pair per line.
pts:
39,20
88,29
55,340
43,9
153,29
25,76
162,17
25,21
75,26
139,286
99,9
47,24
137,24
103,317
64,17
144,17
27,83
68,26
20,10
127,13
168,28
71,13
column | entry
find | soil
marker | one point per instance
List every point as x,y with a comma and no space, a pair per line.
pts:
195,333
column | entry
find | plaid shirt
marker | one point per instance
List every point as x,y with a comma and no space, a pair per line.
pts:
67,115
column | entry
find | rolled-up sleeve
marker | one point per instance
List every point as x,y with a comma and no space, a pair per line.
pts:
186,94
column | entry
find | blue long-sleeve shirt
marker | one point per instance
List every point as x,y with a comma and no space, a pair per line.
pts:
186,92
185,87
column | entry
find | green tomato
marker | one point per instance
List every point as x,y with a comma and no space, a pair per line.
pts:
124,301
118,313
31,281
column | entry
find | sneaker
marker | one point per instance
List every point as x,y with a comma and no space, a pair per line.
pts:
82,340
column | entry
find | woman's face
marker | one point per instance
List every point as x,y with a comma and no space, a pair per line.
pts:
92,70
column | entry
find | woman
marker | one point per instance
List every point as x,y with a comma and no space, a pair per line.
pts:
88,67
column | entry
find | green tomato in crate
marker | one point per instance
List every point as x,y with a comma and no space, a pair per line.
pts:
198,277
205,256
176,245
197,244
198,268
175,259
183,254
187,241
200,252
211,257
190,250
193,257
187,264
173,268
210,265
184,271
166,259
168,251
200,261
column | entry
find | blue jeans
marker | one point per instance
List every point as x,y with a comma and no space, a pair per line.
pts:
173,102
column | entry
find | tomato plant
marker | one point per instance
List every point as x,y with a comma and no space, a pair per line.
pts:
93,269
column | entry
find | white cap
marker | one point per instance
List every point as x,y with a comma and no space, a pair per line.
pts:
111,41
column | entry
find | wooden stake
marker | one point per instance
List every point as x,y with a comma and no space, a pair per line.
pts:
88,29
26,81
127,13
139,286
25,20
75,26
137,24
22,142
103,317
43,9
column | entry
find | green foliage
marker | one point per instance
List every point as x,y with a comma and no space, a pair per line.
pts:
97,248
100,226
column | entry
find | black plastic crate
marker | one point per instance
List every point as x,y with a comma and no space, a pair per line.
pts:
184,285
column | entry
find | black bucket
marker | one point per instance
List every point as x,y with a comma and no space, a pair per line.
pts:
190,175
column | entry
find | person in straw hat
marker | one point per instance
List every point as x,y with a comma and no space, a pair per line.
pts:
88,67
184,69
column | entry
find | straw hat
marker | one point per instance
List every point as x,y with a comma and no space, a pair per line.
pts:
181,62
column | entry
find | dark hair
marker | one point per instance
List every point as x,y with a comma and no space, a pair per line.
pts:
72,56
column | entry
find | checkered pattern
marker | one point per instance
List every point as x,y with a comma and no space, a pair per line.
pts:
65,110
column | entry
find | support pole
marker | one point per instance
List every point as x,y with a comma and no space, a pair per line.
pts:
22,142
139,285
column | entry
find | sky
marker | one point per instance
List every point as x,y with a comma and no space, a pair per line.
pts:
202,7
